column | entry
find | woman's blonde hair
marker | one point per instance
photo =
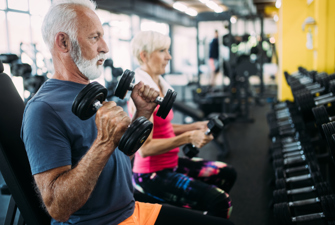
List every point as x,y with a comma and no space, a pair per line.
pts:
148,41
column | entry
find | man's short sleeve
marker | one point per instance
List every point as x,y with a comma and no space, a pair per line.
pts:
44,135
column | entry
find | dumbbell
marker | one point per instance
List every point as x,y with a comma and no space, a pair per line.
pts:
311,166
289,153
329,131
292,141
90,99
282,105
282,178
282,195
307,101
283,215
214,125
321,115
308,155
125,85
315,177
321,85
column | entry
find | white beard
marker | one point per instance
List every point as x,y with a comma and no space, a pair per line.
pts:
88,68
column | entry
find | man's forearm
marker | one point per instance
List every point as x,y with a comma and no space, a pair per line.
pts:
146,114
70,190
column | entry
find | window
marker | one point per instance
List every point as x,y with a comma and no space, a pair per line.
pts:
18,4
19,30
3,4
117,28
38,7
154,26
3,37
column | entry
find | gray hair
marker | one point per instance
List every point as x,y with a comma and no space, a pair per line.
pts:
61,17
148,41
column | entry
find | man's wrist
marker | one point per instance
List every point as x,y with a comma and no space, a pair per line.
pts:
144,113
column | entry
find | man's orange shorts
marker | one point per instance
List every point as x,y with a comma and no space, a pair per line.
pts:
144,214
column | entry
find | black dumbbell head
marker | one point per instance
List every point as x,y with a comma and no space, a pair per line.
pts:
328,206
280,195
282,214
190,151
124,84
280,183
305,101
135,136
329,130
82,105
215,125
167,103
323,188
280,173
321,115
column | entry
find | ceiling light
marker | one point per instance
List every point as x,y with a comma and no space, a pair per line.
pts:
215,7
191,12
212,5
278,4
179,6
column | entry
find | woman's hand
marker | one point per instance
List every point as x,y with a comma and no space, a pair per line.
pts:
202,125
144,99
198,138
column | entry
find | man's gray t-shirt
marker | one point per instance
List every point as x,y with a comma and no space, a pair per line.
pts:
55,137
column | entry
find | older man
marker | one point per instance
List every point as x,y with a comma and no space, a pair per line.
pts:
78,171
81,175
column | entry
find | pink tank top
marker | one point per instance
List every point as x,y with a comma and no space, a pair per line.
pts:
162,129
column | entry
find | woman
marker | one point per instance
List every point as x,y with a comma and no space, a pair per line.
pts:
158,171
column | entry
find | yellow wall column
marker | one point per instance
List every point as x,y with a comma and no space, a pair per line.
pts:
330,55
292,48
292,42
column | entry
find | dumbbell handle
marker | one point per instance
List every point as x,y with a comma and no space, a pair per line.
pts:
295,159
293,154
308,217
298,178
296,169
158,100
300,190
97,104
323,96
324,101
304,202
291,149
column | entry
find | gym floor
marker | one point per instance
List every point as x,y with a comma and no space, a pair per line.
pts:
249,144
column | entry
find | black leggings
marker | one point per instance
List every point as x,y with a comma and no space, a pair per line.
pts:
196,184
180,216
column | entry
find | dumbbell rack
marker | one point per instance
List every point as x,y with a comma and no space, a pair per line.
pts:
303,163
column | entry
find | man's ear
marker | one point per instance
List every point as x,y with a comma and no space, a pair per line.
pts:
143,56
62,42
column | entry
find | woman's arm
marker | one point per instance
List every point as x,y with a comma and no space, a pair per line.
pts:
194,135
181,128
